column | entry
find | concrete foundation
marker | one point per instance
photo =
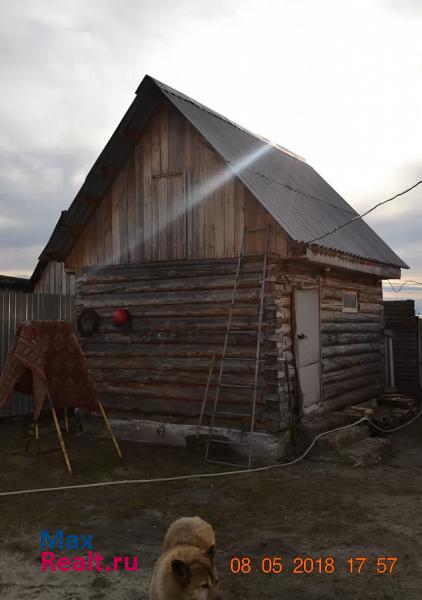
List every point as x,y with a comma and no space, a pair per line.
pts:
267,448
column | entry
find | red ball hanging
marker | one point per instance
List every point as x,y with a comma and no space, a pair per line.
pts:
120,316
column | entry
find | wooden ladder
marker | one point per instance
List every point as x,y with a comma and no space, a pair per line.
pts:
221,384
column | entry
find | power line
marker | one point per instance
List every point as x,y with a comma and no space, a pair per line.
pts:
321,237
399,289
350,211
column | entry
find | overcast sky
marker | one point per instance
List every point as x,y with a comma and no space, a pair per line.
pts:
338,82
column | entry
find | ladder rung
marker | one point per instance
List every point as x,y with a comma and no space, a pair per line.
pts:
257,334
232,442
250,331
237,385
242,358
223,413
245,304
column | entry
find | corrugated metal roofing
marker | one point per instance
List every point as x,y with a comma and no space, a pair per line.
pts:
300,200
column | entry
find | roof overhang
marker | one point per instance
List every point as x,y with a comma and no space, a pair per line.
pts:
333,260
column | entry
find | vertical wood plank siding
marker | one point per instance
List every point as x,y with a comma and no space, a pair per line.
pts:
56,280
172,180
16,307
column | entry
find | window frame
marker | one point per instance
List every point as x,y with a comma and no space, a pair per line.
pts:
350,309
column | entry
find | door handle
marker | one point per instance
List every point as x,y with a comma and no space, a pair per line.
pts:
302,336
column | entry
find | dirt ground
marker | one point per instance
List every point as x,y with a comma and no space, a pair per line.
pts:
314,509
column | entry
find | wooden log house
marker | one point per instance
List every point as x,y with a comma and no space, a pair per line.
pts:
157,229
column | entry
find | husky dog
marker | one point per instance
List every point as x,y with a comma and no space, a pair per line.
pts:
189,531
185,570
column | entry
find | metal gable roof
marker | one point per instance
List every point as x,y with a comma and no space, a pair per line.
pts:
299,199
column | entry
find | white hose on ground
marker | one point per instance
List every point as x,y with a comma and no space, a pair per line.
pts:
212,475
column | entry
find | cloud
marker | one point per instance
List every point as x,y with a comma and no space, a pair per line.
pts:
337,82
34,188
20,257
405,8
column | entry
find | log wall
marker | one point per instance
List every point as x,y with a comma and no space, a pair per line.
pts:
352,343
179,311
158,369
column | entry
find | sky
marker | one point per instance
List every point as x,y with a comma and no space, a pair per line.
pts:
335,81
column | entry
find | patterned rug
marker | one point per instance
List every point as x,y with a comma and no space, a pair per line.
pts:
47,355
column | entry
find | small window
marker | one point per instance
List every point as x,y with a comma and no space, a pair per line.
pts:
350,302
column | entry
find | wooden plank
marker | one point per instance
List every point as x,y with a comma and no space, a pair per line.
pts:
171,225
131,300
176,131
165,350
139,203
239,214
209,203
198,283
123,216
115,223
219,200
255,217
164,137
356,395
343,328
211,267
188,166
336,339
344,362
131,207
282,241
179,198
351,349
155,220
93,240
197,192
85,246
159,198
147,173
154,124
65,281
99,221
173,377
350,373
190,237
229,219
108,228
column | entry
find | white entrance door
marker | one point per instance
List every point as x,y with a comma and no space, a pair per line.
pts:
307,343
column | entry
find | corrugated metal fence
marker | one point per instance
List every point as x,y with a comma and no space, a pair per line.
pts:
400,318
16,307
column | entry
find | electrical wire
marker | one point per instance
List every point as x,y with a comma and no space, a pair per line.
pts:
321,237
344,209
267,467
399,289
209,475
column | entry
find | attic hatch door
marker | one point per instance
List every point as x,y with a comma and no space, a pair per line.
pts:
308,347
167,218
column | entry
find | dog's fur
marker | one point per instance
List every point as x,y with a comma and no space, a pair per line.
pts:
190,531
185,570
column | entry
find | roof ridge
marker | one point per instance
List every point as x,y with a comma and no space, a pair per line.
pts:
261,138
